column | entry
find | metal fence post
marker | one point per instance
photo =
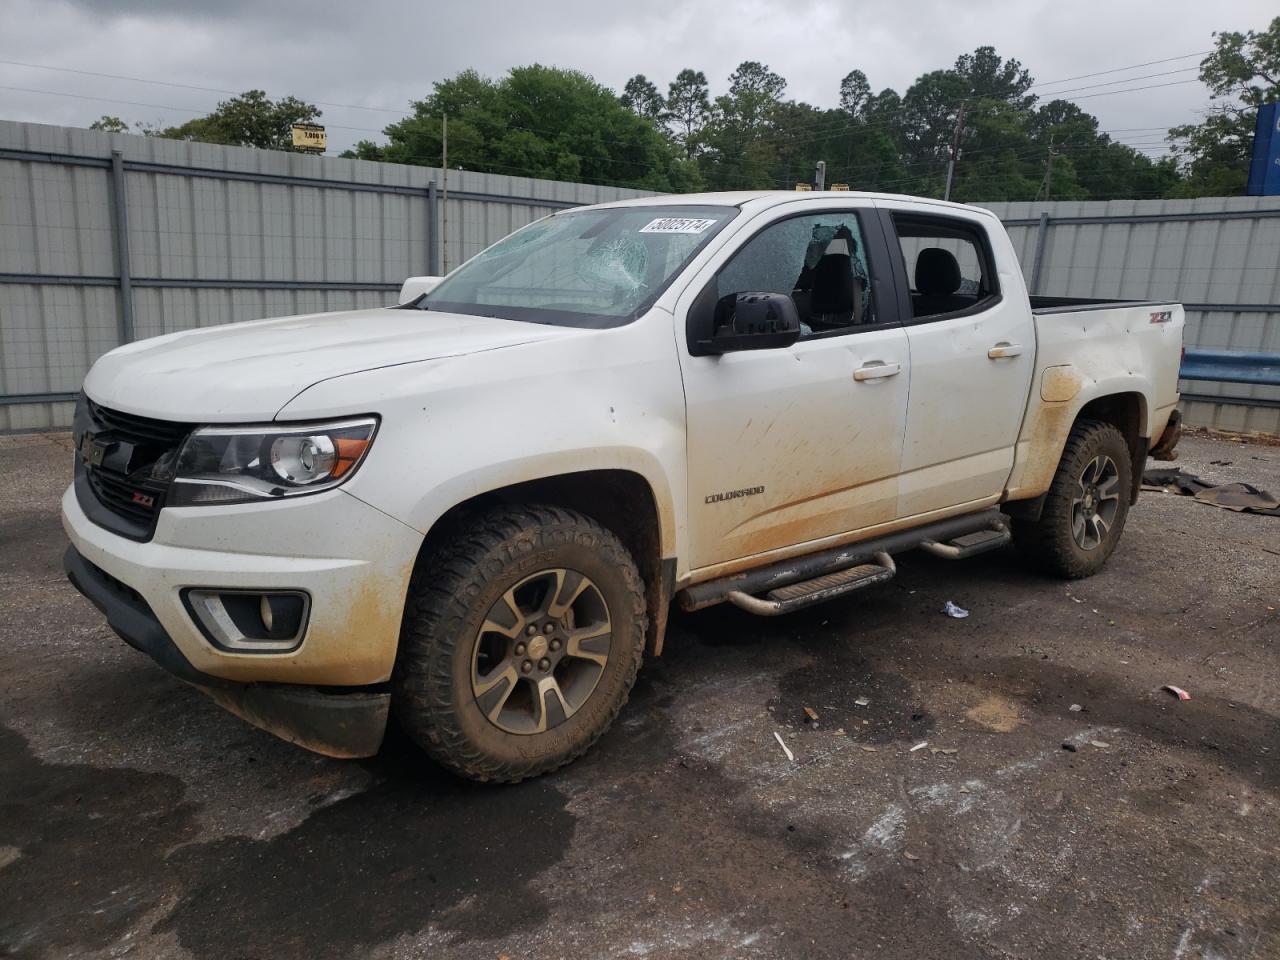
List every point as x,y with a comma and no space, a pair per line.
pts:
433,232
120,203
1042,232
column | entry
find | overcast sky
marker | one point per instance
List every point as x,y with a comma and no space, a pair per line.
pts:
383,53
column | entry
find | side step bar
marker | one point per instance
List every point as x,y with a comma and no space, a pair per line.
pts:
797,595
800,581
970,545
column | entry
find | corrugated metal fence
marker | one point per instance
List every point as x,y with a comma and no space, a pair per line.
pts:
1219,256
106,238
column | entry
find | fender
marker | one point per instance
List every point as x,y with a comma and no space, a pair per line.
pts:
493,477
1055,403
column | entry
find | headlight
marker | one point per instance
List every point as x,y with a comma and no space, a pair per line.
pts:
239,464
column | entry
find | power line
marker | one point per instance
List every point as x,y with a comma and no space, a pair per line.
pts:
401,112
182,86
1132,66
150,106
830,126
1111,83
1150,86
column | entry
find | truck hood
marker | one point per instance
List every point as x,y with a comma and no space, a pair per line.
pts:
248,371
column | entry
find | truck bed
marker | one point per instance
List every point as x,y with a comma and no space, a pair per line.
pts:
1047,305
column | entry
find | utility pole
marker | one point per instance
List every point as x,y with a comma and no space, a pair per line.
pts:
1048,171
444,160
955,150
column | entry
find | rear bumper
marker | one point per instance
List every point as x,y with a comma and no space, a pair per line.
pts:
1163,449
335,722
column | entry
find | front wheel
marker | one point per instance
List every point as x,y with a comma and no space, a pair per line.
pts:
521,641
1085,509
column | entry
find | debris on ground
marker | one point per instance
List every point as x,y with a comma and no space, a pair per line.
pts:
1240,497
919,746
868,749
811,714
945,751
862,702
1075,708
910,856
953,611
1100,744
785,749
1177,691
1069,746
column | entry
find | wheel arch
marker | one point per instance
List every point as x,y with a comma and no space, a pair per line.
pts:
1127,412
1049,424
622,501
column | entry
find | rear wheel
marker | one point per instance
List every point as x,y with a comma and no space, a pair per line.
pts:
522,638
1086,507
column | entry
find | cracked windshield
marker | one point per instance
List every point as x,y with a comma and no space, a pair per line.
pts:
596,268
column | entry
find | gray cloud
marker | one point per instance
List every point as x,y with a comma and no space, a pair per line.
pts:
387,53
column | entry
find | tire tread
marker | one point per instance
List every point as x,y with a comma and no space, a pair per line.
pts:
1047,542
444,585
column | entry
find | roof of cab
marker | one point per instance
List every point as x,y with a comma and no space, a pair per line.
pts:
763,199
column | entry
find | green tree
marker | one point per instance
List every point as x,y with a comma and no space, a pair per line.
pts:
1242,73
688,107
997,159
249,120
642,98
855,93
539,122
1088,163
989,77
109,124
754,92
563,125
738,148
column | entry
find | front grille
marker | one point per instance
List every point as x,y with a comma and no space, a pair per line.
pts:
135,460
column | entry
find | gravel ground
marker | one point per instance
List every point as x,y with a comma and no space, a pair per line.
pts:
138,819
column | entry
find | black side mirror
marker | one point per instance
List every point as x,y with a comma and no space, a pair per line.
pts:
753,321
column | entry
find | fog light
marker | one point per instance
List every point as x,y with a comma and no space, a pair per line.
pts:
250,621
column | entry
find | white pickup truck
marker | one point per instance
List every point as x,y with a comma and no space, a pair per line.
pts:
476,507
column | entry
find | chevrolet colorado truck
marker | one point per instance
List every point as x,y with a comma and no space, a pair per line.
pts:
475,508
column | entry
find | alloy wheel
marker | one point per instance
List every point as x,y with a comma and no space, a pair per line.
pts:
541,651
1096,502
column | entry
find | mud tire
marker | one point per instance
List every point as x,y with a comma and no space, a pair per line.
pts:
452,589
1049,543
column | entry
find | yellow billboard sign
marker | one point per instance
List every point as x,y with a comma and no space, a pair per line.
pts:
309,136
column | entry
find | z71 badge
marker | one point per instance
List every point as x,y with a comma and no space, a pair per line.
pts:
733,494
1162,316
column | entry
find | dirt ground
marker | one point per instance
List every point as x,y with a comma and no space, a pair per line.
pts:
138,819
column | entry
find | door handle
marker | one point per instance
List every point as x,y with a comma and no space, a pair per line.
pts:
1005,349
877,370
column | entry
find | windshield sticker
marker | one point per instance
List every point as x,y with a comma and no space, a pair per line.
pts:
677,225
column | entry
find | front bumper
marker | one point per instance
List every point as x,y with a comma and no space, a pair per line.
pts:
337,723
351,559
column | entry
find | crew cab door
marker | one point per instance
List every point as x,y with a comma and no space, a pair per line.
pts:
972,342
788,445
